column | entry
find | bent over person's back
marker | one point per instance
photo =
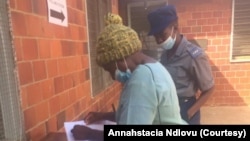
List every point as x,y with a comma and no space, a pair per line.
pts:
150,97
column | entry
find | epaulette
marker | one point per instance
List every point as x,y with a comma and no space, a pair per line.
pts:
194,51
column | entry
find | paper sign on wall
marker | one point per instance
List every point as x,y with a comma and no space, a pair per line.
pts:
57,10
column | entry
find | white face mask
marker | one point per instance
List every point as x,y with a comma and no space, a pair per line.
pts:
169,42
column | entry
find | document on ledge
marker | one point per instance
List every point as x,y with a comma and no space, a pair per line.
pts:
97,125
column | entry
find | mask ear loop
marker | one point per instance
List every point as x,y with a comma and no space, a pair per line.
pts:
172,33
125,63
116,65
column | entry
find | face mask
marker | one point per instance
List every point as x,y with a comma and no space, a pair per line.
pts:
169,43
122,76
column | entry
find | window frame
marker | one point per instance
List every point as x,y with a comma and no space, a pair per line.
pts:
104,81
232,59
12,126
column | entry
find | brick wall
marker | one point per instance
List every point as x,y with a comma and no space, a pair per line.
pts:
53,66
211,20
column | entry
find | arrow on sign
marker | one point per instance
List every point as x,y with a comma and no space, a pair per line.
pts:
58,15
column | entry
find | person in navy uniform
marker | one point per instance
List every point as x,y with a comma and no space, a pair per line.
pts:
187,63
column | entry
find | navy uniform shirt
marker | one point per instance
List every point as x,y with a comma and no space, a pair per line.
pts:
189,68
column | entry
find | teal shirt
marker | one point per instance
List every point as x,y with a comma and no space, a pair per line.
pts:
149,97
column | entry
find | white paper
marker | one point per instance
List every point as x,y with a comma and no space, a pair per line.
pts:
97,125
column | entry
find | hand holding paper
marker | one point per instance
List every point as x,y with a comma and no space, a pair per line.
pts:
84,129
81,132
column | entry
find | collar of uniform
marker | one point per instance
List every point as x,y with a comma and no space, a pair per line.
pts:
181,46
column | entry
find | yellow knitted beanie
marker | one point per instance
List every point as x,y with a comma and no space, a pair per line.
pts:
116,41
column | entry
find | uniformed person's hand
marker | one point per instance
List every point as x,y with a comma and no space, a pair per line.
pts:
190,113
93,117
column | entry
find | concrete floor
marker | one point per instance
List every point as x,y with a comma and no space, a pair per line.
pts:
225,115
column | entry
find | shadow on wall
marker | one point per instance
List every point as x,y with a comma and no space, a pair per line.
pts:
225,93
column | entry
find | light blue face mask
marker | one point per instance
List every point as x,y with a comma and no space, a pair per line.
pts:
169,43
122,76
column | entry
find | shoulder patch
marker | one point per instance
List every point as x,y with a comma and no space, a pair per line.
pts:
194,51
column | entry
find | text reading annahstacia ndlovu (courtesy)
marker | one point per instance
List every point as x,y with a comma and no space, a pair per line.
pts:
204,132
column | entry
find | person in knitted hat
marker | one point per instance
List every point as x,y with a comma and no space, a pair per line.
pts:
149,94
187,63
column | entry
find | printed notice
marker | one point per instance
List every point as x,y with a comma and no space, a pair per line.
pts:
57,12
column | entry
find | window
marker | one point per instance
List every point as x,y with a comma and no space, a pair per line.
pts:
137,19
96,9
240,47
11,119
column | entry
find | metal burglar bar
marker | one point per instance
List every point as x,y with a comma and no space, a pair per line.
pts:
11,123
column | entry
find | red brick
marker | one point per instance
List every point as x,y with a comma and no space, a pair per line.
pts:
224,68
191,22
59,84
30,118
44,48
234,80
18,20
213,21
24,5
54,105
34,30
55,48
25,73
217,14
64,100
217,42
207,14
42,111
201,35
206,28
85,61
38,133
81,19
227,14
18,49
226,41
47,87
68,82
30,50
60,32
68,48
52,124
217,28
63,67
226,27
72,96
52,68
196,15
229,87
186,30
230,74
74,32
72,4
244,80
39,69
202,22
72,18
240,74
221,61
245,67
12,4
24,101
83,34
34,94
40,7
70,114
